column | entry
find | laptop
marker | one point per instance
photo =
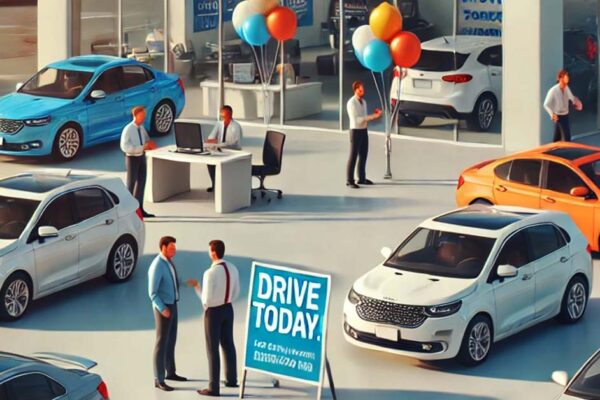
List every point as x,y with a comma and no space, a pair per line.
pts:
188,138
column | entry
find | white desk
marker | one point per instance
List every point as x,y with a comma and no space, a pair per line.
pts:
169,175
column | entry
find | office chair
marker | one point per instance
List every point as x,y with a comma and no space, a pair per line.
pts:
272,158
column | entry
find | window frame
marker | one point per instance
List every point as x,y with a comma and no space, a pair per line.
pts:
493,275
577,172
48,377
559,236
33,236
120,81
145,71
507,178
106,196
540,175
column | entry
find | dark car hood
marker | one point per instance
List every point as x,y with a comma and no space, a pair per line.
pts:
24,106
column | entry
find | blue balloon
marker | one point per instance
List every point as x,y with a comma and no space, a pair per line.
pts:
377,56
255,30
360,58
240,33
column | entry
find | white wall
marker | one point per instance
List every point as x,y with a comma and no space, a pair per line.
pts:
54,31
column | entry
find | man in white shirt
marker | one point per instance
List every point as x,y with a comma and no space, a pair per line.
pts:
359,135
556,105
220,287
228,134
134,143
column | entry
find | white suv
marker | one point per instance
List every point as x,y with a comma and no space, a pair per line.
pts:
469,278
459,79
58,229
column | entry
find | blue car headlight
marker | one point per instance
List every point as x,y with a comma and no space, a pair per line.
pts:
38,121
443,310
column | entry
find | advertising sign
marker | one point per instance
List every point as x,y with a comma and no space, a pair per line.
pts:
287,323
303,10
480,17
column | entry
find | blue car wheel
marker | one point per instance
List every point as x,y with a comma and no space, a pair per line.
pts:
67,143
163,117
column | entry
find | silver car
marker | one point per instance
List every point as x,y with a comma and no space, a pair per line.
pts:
60,228
43,377
586,382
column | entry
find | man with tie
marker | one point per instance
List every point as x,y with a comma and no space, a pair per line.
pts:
220,287
228,134
163,289
359,135
134,143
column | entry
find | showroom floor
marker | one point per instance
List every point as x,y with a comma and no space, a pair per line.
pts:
319,225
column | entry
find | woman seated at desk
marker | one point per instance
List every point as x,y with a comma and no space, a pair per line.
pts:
228,134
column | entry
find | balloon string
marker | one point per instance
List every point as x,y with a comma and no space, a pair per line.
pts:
258,66
396,109
385,95
378,90
275,61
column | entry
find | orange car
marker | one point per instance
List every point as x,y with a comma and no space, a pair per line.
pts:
560,176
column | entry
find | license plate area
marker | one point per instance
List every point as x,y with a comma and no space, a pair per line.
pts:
387,333
422,83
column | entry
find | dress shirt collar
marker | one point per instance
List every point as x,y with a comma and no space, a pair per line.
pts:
360,100
161,255
219,261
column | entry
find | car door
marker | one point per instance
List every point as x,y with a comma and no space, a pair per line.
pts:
56,258
33,385
491,57
514,297
556,195
139,89
521,187
107,116
551,259
98,229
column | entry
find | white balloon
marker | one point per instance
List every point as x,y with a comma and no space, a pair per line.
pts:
362,37
241,13
264,6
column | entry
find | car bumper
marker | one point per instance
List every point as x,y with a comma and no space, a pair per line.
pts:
29,141
435,339
431,110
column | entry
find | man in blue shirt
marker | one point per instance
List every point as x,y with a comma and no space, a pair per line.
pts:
163,289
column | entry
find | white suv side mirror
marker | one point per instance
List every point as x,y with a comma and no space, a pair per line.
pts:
560,377
386,252
507,271
47,232
18,86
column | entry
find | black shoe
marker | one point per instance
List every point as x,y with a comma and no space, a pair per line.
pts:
147,215
207,392
176,377
163,386
366,182
352,185
210,189
230,384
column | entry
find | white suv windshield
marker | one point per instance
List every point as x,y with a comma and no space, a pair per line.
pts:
442,253
440,61
60,83
15,213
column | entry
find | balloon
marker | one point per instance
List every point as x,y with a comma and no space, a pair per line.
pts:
359,57
361,37
263,6
282,23
241,13
377,56
406,49
255,30
385,21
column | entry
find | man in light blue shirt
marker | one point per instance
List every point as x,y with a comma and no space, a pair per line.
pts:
163,289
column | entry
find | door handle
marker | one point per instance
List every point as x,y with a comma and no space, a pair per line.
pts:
549,199
109,221
495,74
68,238
527,277
564,259
501,188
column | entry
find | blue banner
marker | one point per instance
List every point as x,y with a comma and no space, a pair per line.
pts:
480,17
287,322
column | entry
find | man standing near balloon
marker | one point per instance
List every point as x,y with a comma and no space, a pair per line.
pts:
359,135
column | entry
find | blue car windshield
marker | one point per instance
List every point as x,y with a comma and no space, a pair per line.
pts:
59,83
15,214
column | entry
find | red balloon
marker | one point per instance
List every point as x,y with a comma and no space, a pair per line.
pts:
282,23
406,49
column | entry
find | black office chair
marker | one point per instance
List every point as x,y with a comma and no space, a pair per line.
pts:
272,158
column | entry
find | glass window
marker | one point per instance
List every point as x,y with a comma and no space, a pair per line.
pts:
442,253
592,171
491,56
59,213
440,61
587,384
14,215
526,172
562,179
544,239
133,75
3,395
109,81
96,26
502,170
33,386
91,202
143,31
514,252
60,83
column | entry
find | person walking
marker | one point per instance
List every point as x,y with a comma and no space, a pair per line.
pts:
134,143
228,134
359,135
163,289
220,287
556,105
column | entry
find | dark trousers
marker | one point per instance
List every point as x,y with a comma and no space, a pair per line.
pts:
218,328
136,177
164,349
562,129
211,172
359,148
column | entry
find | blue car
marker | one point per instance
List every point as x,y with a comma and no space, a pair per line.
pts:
84,101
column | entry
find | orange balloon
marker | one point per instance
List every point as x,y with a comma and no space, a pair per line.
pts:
385,21
282,23
406,49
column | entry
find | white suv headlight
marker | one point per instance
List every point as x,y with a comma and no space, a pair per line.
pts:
443,310
354,297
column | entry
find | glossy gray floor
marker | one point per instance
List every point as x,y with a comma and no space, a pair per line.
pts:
320,225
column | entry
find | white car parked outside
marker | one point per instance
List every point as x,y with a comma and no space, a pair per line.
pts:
457,79
60,228
466,279
586,382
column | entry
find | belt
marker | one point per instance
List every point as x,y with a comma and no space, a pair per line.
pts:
135,155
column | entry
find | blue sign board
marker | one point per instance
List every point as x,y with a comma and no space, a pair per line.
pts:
303,10
480,17
287,323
